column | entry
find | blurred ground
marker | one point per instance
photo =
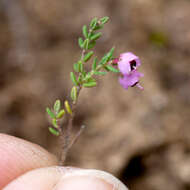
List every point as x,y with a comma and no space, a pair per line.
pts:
141,137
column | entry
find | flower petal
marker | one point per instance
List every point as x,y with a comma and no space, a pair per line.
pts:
124,67
125,62
130,79
128,57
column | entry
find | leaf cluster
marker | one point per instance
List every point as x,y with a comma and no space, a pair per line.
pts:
91,34
80,76
56,114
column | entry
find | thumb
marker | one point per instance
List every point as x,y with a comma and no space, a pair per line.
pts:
66,178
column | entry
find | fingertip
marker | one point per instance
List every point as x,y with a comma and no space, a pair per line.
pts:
66,178
19,156
85,179
83,183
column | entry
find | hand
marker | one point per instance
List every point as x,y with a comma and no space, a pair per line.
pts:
27,166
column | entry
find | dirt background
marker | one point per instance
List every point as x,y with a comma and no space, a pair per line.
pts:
142,137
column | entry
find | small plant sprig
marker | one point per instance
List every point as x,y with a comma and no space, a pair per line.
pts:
82,78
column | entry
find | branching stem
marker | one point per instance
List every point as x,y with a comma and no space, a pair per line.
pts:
83,79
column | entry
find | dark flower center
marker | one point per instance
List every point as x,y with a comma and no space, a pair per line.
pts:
133,65
135,84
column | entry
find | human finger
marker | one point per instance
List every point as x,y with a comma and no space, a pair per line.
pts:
66,178
18,156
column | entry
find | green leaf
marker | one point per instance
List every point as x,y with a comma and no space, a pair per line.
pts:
93,22
96,36
57,106
104,20
68,108
104,60
98,27
107,57
88,56
106,69
85,44
74,93
85,31
94,65
110,53
73,78
50,113
60,114
54,123
89,84
53,131
81,66
76,67
91,80
110,68
90,34
91,45
83,74
100,73
80,42
87,76
95,60
80,79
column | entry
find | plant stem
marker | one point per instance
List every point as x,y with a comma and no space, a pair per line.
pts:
65,137
75,138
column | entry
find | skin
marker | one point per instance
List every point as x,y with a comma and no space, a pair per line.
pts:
24,165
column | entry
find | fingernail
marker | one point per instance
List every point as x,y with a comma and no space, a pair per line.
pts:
85,179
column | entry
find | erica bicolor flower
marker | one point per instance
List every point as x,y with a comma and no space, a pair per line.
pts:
128,64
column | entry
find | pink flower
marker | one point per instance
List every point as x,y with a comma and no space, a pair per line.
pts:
128,62
127,65
131,79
